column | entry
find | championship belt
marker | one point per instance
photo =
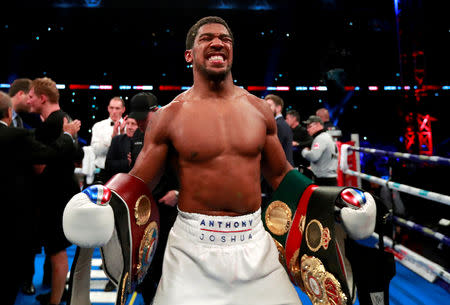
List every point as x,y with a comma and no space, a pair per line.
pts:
129,251
301,220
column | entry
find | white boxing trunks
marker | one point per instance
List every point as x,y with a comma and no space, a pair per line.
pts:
222,260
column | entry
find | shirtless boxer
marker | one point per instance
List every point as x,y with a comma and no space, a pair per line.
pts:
220,138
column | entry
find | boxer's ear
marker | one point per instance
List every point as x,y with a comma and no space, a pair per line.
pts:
188,56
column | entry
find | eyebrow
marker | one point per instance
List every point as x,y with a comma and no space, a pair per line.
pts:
223,35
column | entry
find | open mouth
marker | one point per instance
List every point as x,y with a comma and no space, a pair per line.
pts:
216,59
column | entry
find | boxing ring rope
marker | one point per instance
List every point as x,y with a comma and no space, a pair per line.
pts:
390,184
411,157
415,262
424,230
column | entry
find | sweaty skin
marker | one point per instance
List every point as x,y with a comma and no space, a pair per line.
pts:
219,137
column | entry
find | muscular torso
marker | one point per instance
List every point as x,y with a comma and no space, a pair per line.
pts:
218,147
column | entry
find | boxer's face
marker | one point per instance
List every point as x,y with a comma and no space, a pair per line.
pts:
212,53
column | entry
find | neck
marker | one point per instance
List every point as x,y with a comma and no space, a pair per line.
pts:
210,87
295,124
49,109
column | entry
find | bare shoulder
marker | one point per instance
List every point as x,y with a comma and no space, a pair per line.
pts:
257,102
173,107
159,123
262,107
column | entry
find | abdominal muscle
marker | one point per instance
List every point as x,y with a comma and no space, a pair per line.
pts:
225,186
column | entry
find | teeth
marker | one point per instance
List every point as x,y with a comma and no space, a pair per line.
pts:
216,57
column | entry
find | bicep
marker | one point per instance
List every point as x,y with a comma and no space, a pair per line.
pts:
150,163
152,158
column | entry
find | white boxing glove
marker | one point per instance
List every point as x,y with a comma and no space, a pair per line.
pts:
88,219
358,213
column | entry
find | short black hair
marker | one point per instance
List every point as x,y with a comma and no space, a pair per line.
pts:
294,113
193,31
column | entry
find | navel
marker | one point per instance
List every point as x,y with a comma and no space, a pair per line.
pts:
194,155
239,195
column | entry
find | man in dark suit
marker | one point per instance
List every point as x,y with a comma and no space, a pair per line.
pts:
22,118
18,91
19,150
284,131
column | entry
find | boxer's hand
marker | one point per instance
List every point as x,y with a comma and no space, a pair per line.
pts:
88,219
358,213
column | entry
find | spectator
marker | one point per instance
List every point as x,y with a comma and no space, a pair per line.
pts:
18,92
324,115
105,130
58,176
276,103
300,137
118,159
323,153
19,151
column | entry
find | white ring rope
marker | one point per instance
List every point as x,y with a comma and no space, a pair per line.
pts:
392,185
415,262
411,157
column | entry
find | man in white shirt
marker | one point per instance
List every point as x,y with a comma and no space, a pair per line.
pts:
105,130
